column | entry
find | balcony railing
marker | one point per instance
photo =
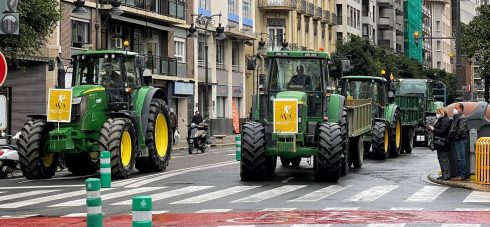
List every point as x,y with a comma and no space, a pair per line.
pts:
301,6
310,10
318,13
278,4
171,8
385,3
326,16
161,65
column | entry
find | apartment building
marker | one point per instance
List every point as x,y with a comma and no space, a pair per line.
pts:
391,25
349,19
441,27
369,21
426,32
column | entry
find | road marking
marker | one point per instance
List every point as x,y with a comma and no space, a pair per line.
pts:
279,209
20,216
168,194
214,210
75,215
159,211
472,209
372,194
320,194
45,186
236,225
105,197
311,225
460,225
287,180
215,195
138,182
42,199
341,208
386,225
426,194
25,194
269,194
478,197
406,208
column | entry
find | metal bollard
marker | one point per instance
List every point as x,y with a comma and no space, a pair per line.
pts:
94,203
238,144
142,216
105,169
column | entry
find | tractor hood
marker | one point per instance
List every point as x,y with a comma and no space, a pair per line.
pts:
82,90
298,95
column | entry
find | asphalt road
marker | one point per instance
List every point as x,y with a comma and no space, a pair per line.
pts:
210,183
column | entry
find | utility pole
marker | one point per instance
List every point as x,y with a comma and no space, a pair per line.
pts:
457,33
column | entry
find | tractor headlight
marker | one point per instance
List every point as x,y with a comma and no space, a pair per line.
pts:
76,100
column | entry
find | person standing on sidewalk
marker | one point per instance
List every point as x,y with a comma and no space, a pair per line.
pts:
441,144
458,135
173,122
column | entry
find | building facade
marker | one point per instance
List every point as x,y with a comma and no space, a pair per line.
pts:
390,25
349,19
369,21
441,27
426,32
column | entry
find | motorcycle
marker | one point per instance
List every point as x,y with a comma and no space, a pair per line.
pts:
197,136
9,157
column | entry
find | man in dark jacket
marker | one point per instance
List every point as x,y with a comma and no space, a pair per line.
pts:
441,131
197,118
458,135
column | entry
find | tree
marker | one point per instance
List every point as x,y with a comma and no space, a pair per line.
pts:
475,43
38,20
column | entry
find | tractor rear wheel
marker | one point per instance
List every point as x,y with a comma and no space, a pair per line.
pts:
82,163
270,163
35,162
357,151
329,157
253,163
119,136
158,139
396,132
407,141
380,141
285,161
296,161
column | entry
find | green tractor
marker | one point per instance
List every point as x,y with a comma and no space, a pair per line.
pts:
114,109
385,139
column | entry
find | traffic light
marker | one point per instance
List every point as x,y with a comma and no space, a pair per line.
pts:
416,37
9,17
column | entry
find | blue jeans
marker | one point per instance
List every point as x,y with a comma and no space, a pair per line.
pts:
459,147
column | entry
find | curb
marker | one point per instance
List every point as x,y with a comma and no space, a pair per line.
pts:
461,184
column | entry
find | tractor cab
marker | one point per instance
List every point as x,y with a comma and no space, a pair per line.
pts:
374,89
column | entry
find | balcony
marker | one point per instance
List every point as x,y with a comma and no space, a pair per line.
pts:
310,10
336,19
286,5
386,3
318,13
161,65
169,8
385,43
301,6
385,23
326,16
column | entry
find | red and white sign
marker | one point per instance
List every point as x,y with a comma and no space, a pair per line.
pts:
3,69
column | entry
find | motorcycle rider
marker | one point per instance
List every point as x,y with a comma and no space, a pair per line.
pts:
197,118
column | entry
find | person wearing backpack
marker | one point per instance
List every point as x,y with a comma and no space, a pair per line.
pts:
458,135
441,144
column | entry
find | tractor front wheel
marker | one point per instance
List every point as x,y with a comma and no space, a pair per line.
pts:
296,161
35,162
396,132
82,163
285,161
158,139
407,141
119,136
380,141
329,157
357,151
253,163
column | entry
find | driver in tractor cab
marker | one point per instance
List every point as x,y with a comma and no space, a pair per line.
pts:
301,79
111,78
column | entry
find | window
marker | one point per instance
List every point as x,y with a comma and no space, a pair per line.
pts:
307,24
205,4
438,64
438,45
235,58
116,36
358,19
80,33
179,49
247,9
220,107
131,72
299,23
233,7
276,37
220,54
438,25
315,27
201,50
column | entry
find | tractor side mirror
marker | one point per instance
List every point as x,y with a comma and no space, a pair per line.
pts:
393,85
147,77
391,96
60,80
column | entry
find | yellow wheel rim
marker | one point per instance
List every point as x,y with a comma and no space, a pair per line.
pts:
126,149
93,155
161,135
398,133
387,138
47,159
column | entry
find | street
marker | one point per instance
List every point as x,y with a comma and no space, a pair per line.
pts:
209,183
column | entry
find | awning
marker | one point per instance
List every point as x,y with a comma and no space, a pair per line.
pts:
144,23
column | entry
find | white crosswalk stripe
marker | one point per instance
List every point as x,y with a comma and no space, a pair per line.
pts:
406,208
320,194
460,225
311,225
269,194
50,198
478,197
386,225
75,215
25,194
279,209
373,193
341,208
169,194
215,195
105,197
214,210
472,209
426,194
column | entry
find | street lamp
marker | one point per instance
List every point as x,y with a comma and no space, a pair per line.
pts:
115,10
220,35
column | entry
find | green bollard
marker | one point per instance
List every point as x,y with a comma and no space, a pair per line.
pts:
238,143
142,216
94,203
105,169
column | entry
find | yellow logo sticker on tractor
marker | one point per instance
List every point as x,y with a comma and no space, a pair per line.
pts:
285,116
59,105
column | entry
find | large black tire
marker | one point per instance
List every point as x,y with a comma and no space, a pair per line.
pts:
285,161
270,165
429,136
408,139
35,162
111,135
329,158
356,150
253,163
158,139
344,128
380,140
296,161
396,135
82,163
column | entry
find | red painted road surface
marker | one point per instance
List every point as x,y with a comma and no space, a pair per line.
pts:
273,218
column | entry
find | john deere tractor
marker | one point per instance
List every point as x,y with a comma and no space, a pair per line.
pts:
114,109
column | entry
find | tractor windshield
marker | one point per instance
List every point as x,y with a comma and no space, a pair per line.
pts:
360,89
412,87
295,74
98,71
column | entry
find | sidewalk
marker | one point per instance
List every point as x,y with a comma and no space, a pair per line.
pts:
228,140
468,184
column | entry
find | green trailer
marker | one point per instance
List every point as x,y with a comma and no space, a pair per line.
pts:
359,121
409,112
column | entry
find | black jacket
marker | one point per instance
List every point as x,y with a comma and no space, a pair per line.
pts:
459,128
197,119
441,129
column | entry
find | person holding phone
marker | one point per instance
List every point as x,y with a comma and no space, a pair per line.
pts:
441,144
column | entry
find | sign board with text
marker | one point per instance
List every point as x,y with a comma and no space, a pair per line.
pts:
59,105
285,116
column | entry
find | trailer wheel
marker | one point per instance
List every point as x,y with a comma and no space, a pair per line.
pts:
357,151
35,162
82,163
285,161
296,161
380,141
253,163
346,160
408,139
119,136
329,157
396,132
158,139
